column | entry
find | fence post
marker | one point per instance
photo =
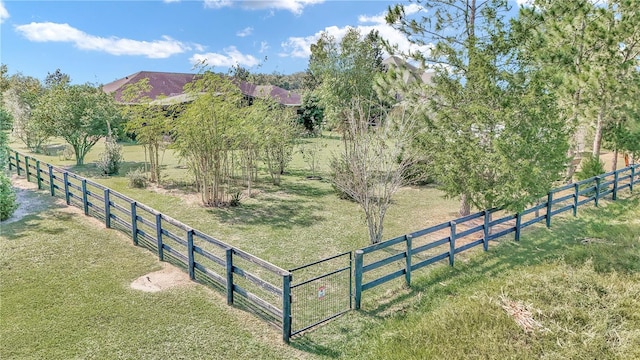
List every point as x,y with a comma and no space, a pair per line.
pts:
597,190
452,242
487,219
518,225
615,186
85,200
66,187
159,236
51,184
549,206
190,254
26,168
229,258
576,197
358,278
407,275
134,223
107,209
18,163
286,307
38,174
9,160
633,172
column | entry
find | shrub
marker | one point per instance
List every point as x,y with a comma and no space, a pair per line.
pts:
8,202
110,159
137,179
589,167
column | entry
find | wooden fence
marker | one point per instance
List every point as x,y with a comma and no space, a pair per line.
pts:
266,289
399,257
249,282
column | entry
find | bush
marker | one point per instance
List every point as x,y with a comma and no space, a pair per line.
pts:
589,167
8,202
137,179
110,159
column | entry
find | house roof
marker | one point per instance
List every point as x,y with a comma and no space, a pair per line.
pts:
171,87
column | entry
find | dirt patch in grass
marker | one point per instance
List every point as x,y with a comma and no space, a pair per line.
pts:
167,278
29,202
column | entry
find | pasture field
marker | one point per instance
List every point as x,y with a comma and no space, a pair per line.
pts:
298,222
572,291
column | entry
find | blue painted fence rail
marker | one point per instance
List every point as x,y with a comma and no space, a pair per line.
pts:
405,251
169,238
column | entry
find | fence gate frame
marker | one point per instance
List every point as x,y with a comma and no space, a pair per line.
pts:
295,297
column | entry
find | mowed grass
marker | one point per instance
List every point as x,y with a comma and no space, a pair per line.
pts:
65,294
574,288
298,222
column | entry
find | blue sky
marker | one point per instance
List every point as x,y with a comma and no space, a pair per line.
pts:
101,41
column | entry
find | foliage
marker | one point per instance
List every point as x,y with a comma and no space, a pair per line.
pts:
137,178
6,121
311,154
111,158
148,122
495,135
346,71
589,167
66,153
20,99
8,202
375,166
80,114
311,114
206,135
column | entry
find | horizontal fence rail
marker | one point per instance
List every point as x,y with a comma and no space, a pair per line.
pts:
395,258
323,289
248,281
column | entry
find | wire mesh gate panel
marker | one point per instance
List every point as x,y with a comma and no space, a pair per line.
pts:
320,291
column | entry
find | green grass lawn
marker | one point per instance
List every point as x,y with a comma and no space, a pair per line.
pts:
289,225
65,294
575,288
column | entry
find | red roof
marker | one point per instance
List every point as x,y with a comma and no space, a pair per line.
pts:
172,84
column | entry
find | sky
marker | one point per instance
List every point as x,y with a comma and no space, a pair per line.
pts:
101,41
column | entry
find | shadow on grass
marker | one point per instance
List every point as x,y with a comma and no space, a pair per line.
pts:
271,211
91,169
21,228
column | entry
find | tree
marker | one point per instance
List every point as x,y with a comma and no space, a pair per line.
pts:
58,78
311,113
591,48
80,114
375,167
493,137
148,121
20,98
8,202
346,71
278,130
205,134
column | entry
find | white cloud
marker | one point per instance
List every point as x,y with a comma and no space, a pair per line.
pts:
295,6
264,46
53,32
230,58
245,32
301,46
4,14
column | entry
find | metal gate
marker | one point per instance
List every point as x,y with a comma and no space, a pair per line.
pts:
320,291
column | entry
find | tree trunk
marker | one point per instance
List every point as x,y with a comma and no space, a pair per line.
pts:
597,140
614,166
465,207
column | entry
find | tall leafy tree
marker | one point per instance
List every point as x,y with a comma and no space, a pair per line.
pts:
80,114
20,98
345,71
493,138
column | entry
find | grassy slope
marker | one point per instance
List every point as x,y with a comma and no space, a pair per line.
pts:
65,294
580,281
